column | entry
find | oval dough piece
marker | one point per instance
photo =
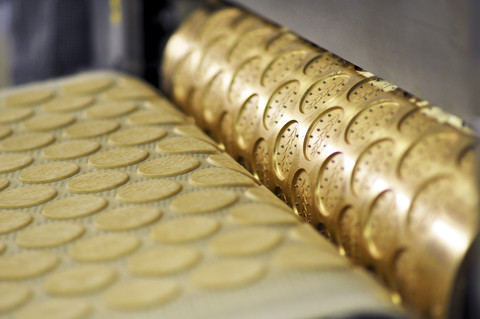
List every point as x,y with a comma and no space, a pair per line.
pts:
49,235
261,214
13,296
137,135
168,166
107,110
4,182
28,97
5,131
68,104
130,93
263,194
26,196
141,294
91,129
74,207
96,181
12,162
14,115
88,86
151,117
193,131
184,230
148,191
225,161
180,144
228,274
203,201
26,264
163,261
245,242
104,247
47,122
55,309
13,220
308,258
215,176
79,280
117,157
70,149
49,172
26,142
129,217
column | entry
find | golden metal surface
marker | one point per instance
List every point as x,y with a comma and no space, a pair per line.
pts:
388,177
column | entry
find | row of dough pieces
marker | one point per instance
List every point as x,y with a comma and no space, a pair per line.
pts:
88,129
126,89
88,278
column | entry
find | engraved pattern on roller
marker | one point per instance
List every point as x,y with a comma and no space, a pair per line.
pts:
284,98
282,66
331,185
285,149
302,196
247,121
370,89
322,92
377,158
322,130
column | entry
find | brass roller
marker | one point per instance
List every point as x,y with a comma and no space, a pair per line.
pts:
386,176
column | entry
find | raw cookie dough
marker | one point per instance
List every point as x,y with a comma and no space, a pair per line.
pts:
148,191
88,86
79,280
183,230
26,196
67,104
129,217
70,149
28,97
163,261
55,309
141,294
137,135
181,144
13,220
168,166
11,162
48,172
74,207
26,142
107,110
91,129
49,235
117,157
97,181
12,296
26,264
203,201
104,247
261,214
227,274
47,122
215,176
245,242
